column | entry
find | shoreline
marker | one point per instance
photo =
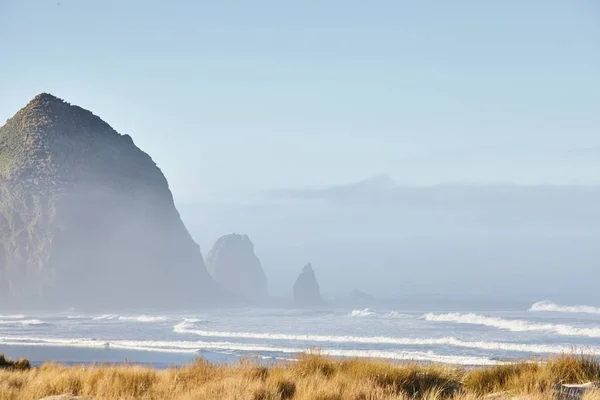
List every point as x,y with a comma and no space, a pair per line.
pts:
74,355
70,356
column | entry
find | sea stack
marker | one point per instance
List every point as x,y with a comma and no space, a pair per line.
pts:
233,264
87,219
306,289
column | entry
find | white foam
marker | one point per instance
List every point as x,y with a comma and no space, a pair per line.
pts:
194,347
367,312
135,318
23,322
106,317
144,318
362,313
55,342
32,322
15,316
514,325
396,314
186,328
552,307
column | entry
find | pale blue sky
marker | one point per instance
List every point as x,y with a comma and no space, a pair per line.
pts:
237,97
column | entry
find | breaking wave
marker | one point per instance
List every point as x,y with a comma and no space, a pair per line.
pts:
396,314
135,318
362,313
105,317
194,347
367,312
552,307
23,322
514,325
186,328
15,316
144,318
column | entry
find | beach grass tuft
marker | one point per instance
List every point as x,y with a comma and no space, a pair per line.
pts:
312,376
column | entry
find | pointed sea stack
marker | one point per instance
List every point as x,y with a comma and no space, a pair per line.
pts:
233,264
306,289
87,218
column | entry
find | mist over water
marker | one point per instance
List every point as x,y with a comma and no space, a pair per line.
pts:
458,283
460,245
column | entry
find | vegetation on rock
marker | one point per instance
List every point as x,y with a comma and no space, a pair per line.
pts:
87,218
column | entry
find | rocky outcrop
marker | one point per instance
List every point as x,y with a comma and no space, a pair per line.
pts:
87,218
233,264
306,289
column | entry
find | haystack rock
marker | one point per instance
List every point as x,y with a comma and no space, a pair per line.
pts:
87,218
233,264
306,289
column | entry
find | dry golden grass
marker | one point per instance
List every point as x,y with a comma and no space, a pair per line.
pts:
312,377
592,395
13,365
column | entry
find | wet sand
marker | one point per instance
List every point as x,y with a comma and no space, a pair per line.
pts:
67,355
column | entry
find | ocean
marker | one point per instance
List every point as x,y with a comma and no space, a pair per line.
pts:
160,339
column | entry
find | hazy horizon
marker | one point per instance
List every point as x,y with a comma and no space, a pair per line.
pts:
507,243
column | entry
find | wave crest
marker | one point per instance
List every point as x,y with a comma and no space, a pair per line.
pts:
135,318
367,312
362,313
105,317
513,325
144,318
187,328
541,306
15,316
23,322
197,346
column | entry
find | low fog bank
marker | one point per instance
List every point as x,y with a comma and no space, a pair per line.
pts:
494,242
